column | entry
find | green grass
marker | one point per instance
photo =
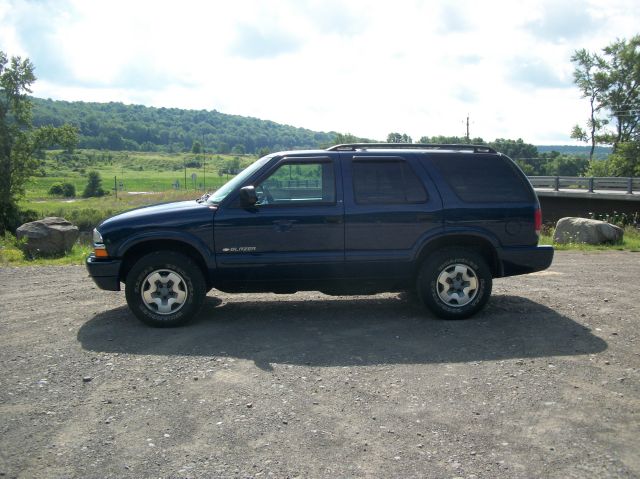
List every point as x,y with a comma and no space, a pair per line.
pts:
133,171
151,174
11,254
630,242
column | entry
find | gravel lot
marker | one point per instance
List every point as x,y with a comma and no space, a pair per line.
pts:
543,383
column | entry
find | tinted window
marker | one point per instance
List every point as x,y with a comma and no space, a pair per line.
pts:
386,181
298,183
483,178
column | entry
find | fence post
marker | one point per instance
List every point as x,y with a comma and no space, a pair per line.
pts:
556,185
591,184
630,185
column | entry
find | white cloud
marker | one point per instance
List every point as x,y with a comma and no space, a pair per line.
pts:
367,68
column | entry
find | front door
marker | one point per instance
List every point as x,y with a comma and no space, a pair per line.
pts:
294,233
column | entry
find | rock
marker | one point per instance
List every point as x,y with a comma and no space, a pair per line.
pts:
87,379
583,230
49,236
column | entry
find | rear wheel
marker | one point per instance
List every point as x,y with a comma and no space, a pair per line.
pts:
454,283
165,289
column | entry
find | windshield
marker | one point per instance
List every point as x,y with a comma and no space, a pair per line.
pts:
222,192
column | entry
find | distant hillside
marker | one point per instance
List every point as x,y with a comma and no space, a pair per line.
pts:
576,150
116,126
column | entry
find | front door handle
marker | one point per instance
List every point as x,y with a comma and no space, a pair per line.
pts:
282,226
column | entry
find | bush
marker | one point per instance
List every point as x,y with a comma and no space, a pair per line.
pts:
68,190
56,189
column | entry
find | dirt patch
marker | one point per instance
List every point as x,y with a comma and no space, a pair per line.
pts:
543,383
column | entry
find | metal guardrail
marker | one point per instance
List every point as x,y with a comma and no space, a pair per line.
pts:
590,184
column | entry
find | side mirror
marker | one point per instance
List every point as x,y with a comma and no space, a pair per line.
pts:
248,198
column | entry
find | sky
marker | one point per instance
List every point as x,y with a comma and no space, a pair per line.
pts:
362,67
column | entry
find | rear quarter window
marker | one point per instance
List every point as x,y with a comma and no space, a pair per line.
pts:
478,178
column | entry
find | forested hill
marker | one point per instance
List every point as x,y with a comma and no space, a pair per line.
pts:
577,150
116,126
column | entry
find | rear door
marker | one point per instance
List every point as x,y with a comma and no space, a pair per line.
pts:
295,232
390,210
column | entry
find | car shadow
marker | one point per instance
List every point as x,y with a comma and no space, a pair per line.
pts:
347,331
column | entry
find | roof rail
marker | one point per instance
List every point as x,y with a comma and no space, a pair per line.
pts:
413,146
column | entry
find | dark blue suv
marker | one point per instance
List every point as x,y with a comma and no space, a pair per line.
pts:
354,219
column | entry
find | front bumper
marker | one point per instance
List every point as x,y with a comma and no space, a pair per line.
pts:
525,260
105,273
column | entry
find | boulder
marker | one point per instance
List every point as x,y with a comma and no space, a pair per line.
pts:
583,230
49,236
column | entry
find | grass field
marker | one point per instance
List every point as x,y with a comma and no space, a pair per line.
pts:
141,179
134,171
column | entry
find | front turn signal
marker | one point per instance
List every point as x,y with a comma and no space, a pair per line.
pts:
100,251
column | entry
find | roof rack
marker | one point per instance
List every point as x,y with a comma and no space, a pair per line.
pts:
413,146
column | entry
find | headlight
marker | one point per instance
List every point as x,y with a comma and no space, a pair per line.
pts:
97,237
99,249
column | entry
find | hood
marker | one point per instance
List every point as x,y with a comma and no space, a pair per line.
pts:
158,216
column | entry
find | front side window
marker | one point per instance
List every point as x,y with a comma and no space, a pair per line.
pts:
298,183
386,182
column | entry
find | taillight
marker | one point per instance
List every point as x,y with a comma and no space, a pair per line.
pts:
537,220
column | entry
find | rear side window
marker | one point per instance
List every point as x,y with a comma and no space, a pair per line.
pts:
479,178
386,182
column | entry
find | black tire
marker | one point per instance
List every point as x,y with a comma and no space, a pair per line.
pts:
165,289
454,283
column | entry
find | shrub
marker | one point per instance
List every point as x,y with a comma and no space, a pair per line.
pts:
68,190
56,189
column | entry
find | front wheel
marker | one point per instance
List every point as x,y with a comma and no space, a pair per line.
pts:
165,289
454,283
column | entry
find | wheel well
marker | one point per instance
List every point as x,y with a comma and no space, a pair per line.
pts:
475,243
146,247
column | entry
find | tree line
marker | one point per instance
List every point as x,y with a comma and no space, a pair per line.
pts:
116,126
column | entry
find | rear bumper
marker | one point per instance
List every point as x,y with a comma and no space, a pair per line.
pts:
525,260
105,273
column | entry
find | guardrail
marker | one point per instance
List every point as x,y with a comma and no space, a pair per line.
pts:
589,184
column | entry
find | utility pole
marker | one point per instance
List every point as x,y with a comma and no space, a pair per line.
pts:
204,166
468,137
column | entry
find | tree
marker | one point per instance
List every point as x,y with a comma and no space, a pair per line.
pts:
611,83
589,77
345,138
196,148
16,159
625,161
19,141
622,96
398,138
514,149
94,186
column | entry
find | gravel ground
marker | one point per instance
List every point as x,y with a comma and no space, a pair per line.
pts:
543,383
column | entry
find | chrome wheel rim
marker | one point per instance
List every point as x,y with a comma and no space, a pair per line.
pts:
457,285
164,292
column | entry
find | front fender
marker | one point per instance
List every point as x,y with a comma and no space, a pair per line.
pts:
189,239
